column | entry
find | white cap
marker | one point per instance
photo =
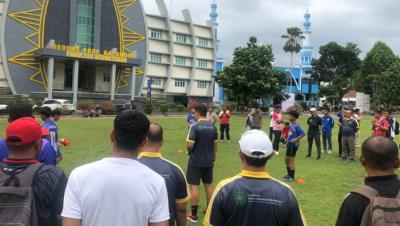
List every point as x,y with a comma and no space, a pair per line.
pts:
313,109
255,141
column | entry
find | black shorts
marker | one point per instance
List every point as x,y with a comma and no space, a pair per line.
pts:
291,150
194,174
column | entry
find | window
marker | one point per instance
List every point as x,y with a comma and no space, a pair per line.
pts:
156,82
203,63
157,34
202,85
203,42
180,61
155,57
180,83
106,77
181,38
85,23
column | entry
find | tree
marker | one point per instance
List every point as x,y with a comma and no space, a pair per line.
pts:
376,62
251,74
388,86
292,45
335,69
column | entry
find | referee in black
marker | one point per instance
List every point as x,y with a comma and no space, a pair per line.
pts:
253,197
202,147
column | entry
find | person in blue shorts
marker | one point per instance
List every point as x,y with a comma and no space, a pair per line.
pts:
292,144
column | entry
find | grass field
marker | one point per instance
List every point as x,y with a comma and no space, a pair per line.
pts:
327,181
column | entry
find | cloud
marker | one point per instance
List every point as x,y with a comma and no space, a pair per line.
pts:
363,22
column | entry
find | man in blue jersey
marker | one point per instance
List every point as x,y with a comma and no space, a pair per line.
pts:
327,126
175,180
49,124
292,145
47,154
253,197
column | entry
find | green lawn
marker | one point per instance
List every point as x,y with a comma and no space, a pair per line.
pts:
327,180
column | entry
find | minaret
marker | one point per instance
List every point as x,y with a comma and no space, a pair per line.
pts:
306,51
219,62
214,13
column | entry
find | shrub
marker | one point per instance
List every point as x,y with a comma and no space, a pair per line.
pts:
65,111
296,107
25,100
148,107
85,105
164,108
172,106
180,107
108,108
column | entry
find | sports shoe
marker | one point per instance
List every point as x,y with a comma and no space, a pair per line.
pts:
286,177
308,157
291,179
329,152
193,219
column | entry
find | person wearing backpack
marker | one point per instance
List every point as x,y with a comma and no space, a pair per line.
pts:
393,124
20,173
378,201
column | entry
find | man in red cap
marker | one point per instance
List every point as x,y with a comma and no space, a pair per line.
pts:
47,154
23,139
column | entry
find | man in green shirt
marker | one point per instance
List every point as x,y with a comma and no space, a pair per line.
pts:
314,132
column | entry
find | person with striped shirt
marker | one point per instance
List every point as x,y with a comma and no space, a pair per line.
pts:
253,197
175,180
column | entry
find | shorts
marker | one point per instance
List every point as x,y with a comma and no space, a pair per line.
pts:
291,149
194,174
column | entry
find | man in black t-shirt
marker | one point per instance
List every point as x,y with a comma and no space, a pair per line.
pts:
202,148
175,180
380,158
253,197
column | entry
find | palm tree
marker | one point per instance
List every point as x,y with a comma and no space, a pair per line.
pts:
293,36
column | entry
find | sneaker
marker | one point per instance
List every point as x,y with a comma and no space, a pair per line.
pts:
329,152
291,179
193,219
319,157
308,157
286,177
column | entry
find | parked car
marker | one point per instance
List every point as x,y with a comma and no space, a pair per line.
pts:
3,108
57,104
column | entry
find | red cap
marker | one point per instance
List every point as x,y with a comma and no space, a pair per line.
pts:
23,131
45,132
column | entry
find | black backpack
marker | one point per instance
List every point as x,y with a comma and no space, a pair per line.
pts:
396,127
17,199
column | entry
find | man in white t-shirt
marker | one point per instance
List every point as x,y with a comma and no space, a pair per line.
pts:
119,190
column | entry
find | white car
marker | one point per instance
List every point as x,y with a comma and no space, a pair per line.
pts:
3,108
59,103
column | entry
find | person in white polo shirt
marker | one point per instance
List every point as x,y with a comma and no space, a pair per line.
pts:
118,191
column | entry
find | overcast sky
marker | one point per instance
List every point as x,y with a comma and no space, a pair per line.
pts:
360,21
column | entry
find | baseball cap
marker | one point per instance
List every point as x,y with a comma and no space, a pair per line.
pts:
255,141
23,131
313,109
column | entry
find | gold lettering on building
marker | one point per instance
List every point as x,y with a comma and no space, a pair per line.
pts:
93,54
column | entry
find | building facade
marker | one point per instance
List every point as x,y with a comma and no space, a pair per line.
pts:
301,86
104,49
